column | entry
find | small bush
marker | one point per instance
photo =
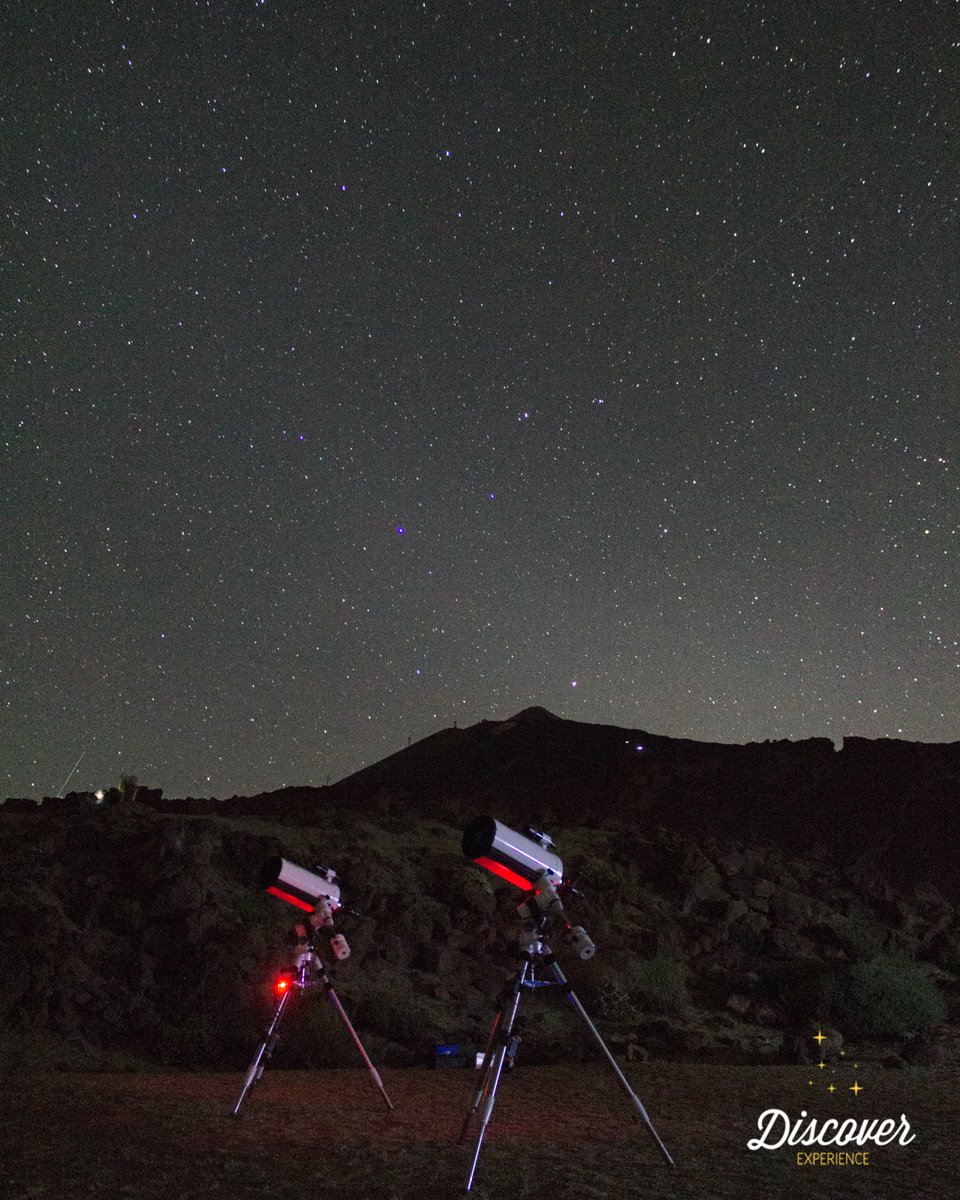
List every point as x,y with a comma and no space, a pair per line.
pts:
887,997
659,984
613,1002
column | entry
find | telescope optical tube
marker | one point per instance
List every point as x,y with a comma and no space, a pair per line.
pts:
303,889
511,855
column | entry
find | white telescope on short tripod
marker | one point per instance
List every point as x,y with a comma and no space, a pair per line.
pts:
319,895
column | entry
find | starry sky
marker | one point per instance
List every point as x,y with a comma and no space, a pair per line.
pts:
375,367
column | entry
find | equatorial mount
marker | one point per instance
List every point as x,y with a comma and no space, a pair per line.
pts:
306,971
542,906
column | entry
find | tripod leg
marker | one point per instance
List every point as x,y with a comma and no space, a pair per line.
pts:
484,1071
569,995
374,1073
495,1070
264,1052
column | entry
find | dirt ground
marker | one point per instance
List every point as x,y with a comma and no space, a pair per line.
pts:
558,1132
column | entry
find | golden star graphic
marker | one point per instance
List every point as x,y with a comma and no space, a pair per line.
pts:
820,1038
821,1064
856,1089
832,1088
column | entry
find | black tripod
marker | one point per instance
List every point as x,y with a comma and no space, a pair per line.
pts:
308,972
502,1045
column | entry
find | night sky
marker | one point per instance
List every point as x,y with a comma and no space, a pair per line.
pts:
374,367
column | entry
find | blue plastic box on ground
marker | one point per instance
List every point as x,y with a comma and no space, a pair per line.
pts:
448,1056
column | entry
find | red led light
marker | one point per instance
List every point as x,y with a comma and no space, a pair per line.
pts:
282,984
504,873
290,899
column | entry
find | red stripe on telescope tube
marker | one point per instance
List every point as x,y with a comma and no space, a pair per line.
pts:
290,898
504,873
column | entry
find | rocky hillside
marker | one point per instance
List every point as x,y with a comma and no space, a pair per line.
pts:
735,893
896,803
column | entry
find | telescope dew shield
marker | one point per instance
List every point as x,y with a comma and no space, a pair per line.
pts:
511,855
303,889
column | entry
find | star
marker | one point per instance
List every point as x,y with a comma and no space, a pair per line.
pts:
820,1037
856,1089
389,403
